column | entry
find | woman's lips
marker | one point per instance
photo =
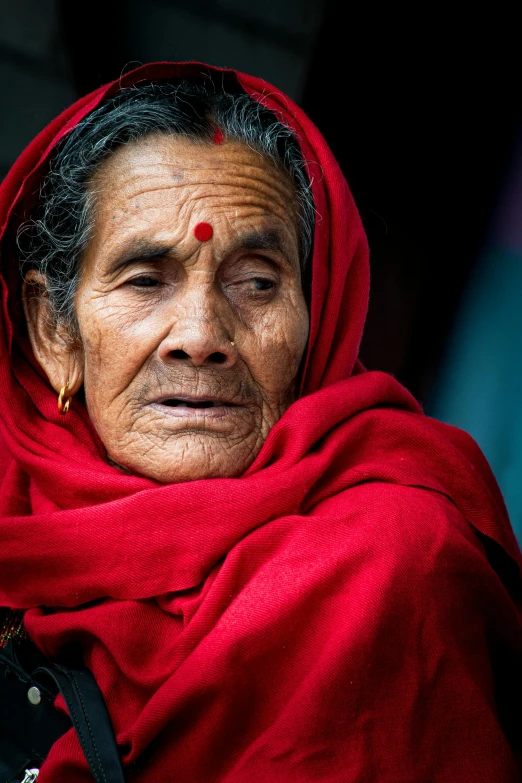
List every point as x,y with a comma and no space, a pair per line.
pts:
178,402
195,408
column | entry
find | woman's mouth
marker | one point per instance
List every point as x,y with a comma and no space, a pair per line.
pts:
175,402
195,407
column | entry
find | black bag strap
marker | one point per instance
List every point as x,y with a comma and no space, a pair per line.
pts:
91,720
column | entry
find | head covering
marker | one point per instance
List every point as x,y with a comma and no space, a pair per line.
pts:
347,610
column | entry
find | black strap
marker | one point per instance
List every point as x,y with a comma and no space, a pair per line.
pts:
28,730
90,719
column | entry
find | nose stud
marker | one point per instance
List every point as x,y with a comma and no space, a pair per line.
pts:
232,343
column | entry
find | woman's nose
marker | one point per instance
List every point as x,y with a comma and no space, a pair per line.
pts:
201,340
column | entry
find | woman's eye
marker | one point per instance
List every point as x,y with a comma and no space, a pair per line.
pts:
144,281
262,284
259,287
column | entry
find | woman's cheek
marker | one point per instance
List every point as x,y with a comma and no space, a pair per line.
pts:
110,364
280,344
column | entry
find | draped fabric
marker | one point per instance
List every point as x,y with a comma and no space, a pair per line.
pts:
348,610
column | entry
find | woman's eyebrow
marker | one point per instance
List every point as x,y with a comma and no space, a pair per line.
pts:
265,239
147,250
139,250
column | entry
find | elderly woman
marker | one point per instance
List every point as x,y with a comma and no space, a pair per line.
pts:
274,566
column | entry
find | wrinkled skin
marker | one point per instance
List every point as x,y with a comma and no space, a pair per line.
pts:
167,322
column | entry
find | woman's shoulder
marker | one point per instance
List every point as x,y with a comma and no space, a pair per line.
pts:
390,514
407,538
396,536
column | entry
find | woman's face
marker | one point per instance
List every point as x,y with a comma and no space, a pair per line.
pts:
190,349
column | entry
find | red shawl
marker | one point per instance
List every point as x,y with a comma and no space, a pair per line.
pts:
346,611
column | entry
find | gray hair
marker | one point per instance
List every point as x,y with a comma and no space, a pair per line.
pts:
53,240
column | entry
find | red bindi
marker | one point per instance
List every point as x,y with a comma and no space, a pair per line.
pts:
203,232
218,136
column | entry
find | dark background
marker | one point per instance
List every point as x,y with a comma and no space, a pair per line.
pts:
422,108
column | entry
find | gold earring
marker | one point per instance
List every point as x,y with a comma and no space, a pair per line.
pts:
231,343
63,407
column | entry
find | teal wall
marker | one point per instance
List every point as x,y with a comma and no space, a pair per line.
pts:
480,385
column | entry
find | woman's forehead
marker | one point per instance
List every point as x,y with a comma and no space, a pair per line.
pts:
181,160
167,186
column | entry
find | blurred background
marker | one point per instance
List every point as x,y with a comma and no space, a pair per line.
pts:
423,110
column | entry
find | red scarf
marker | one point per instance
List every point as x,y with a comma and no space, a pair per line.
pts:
347,611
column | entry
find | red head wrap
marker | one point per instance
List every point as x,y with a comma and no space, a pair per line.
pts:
330,615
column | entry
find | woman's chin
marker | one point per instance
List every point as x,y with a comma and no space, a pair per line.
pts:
192,456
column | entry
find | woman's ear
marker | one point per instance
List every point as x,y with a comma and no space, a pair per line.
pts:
57,351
